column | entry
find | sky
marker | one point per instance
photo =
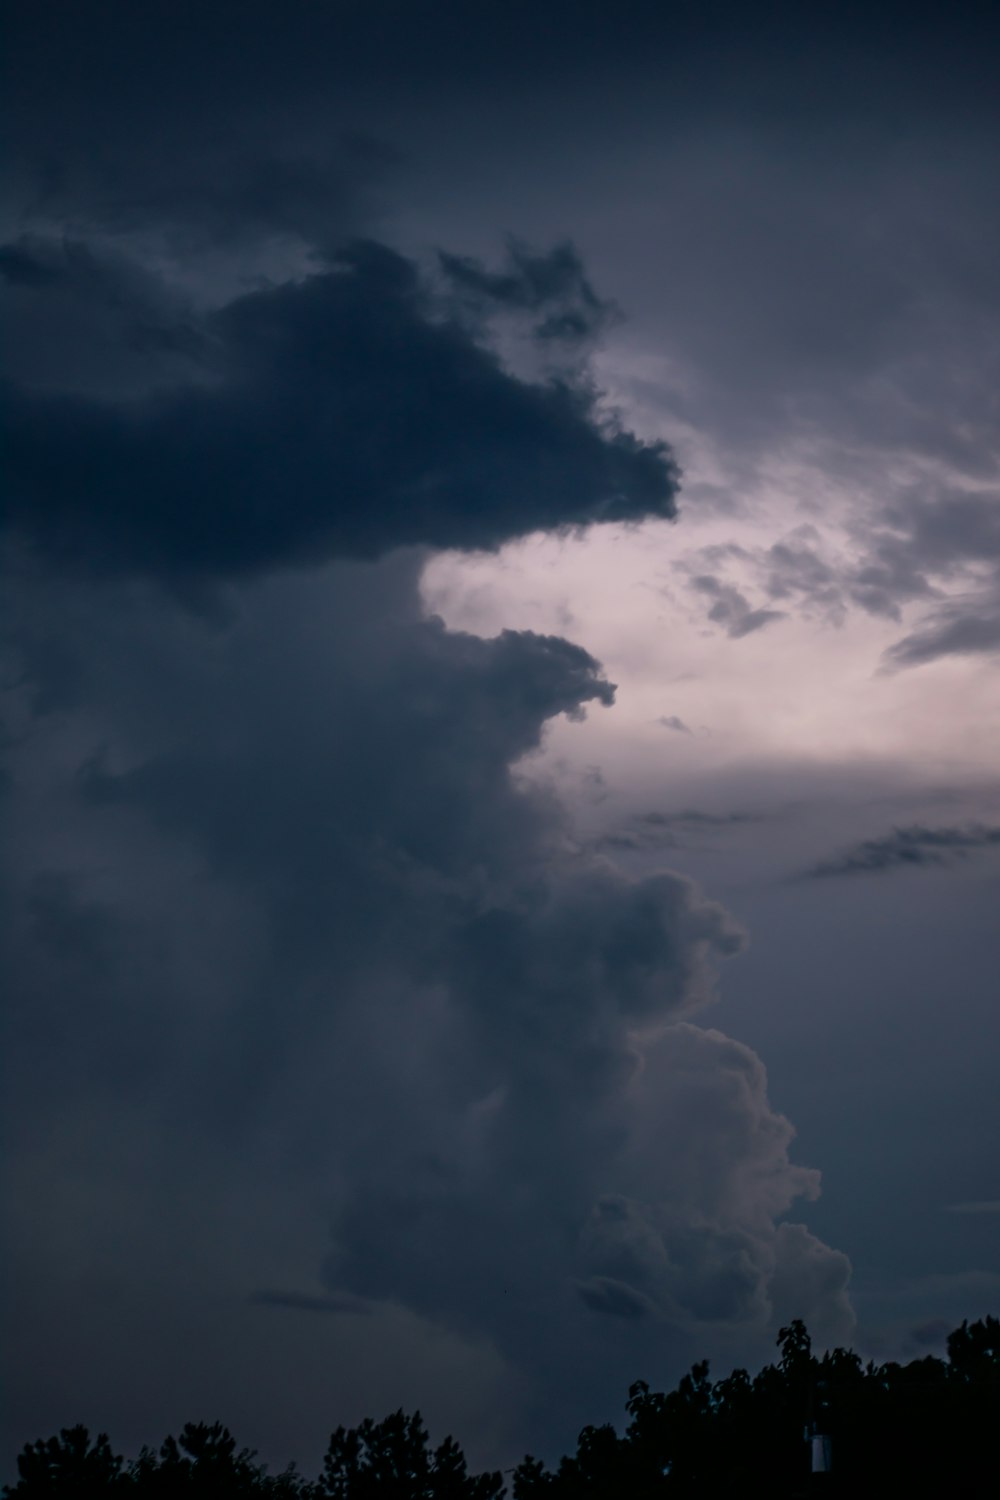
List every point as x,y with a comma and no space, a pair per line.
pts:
501,551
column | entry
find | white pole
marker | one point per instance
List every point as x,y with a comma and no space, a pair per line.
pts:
820,1446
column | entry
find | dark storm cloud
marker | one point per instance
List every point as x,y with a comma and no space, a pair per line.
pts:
293,939
20,267
222,195
671,721
209,151
94,323
908,847
802,63
470,708
345,418
731,608
820,271
326,946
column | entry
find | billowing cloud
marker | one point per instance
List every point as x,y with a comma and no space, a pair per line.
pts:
709,1246
325,945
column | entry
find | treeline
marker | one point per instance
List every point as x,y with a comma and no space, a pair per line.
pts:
932,1425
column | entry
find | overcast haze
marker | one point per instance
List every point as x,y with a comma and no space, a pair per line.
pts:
501,549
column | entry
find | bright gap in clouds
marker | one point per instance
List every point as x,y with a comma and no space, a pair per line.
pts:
806,684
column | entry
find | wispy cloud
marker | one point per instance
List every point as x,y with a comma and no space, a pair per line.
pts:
669,830
693,817
906,847
952,631
311,1302
732,609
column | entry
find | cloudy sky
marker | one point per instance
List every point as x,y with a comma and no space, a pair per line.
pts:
501,556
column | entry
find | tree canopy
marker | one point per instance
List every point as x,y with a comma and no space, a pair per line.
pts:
929,1424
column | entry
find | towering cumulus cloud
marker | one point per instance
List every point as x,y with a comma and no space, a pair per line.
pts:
321,1006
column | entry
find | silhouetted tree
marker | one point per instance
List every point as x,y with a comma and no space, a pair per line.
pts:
927,1426
974,1353
202,1464
68,1467
393,1458
924,1427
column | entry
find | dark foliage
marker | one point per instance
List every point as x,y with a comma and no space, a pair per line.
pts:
928,1426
